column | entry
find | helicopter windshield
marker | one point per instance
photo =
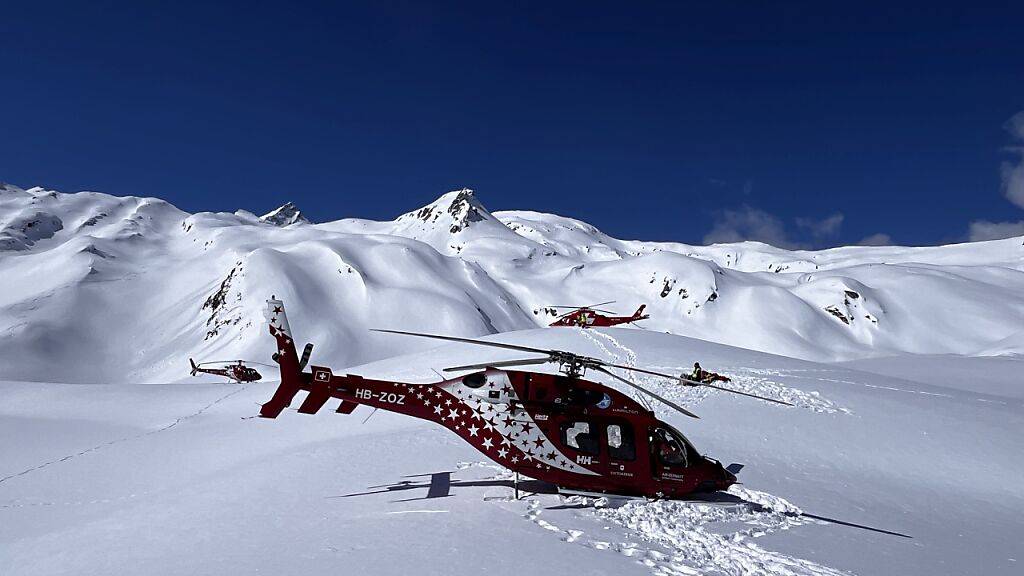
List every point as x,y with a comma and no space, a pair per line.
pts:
672,448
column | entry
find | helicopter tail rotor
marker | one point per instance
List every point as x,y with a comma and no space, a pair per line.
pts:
195,368
305,356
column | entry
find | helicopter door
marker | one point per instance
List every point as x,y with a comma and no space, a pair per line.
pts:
621,442
671,454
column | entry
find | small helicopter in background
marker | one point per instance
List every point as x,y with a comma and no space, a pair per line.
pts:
588,316
232,369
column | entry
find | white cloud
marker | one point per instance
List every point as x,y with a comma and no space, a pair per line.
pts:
1013,169
982,230
748,223
879,239
821,229
1012,187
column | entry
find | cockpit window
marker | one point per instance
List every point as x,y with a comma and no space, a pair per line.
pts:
578,436
669,449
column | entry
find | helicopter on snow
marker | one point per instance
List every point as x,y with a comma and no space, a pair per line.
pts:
231,369
588,316
563,429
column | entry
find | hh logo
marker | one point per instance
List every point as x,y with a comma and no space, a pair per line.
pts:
581,459
323,376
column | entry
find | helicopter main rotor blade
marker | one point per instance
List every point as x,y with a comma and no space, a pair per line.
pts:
783,402
499,364
553,355
591,307
641,370
697,383
219,362
246,362
648,392
468,341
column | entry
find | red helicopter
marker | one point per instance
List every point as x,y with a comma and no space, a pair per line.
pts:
587,316
562,429
232,369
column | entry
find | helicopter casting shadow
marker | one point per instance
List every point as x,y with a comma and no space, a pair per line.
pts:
727,499
441,483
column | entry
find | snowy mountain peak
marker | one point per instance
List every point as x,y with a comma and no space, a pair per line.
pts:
286,215
479,272
457,210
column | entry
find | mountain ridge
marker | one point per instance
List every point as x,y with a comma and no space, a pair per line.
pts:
194,285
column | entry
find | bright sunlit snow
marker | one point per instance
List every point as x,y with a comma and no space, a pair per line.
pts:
902,364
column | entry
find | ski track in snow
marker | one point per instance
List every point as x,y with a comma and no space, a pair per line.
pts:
804,374
117,441
629,360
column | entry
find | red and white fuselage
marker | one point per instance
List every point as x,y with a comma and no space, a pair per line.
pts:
567,431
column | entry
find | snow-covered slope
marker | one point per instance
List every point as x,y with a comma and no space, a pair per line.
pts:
103,288
102,473
179,479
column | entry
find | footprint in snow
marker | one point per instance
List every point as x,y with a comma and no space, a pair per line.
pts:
674,538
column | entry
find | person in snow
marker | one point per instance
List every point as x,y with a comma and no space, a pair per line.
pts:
701,375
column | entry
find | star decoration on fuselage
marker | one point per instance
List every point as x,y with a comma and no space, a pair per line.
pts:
507,435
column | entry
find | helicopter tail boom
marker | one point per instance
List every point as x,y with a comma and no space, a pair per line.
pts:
287,359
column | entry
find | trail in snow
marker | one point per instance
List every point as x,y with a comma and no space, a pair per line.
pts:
802,374
629,360
693,540
681,538
120,440
820,375
756,381
751,381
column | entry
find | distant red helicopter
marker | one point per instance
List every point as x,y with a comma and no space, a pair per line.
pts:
562,429
232,369
587,316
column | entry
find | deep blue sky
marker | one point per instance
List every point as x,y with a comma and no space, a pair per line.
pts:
649,121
